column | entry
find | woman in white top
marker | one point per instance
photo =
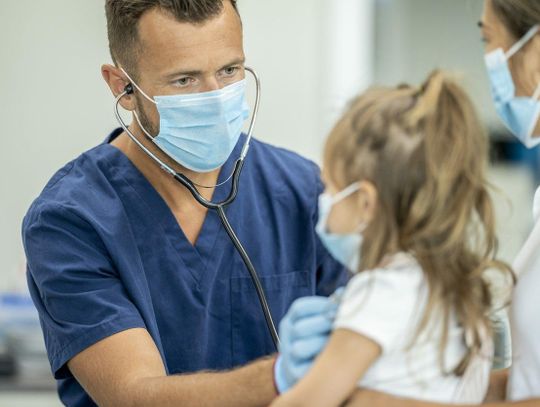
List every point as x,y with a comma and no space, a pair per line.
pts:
405,177
510,30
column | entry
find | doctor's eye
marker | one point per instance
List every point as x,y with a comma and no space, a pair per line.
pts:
230,71
183,82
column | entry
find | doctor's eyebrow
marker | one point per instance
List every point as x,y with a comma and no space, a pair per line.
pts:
183,73
237,61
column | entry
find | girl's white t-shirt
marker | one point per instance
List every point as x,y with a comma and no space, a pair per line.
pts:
524,381
387,305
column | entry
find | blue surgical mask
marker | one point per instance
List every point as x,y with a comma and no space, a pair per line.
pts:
200,130
519,114
345,248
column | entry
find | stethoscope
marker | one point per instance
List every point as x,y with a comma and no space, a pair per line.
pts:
219,207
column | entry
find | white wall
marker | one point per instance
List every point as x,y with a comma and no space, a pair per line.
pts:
55,104
313,55
415,36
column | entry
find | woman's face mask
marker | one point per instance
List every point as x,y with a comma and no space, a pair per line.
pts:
200,130
519,114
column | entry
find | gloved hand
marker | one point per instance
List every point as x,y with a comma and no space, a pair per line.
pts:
303,333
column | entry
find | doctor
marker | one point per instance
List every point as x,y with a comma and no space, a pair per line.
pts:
511,32
142,297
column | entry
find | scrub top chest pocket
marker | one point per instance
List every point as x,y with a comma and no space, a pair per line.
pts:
249,334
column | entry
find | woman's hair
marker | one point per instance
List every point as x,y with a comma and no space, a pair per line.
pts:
425,151
518,16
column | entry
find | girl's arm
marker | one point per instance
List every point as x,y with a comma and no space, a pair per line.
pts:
335,373
495,397
497,386
365,398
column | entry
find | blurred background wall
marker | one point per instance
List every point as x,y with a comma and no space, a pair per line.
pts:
312,56
55,104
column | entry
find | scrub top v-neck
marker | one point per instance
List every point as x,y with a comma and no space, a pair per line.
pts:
105,254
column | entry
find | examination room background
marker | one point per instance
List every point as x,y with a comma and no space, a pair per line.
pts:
312,56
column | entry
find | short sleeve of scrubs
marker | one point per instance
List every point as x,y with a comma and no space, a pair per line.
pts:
73,283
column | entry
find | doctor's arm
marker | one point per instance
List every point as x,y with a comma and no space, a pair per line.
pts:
130,360
92,325
335,373
126,369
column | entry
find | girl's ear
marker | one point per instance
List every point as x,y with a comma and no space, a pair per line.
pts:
367,200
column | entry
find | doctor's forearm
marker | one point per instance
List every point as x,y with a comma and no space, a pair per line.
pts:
126,369
249,386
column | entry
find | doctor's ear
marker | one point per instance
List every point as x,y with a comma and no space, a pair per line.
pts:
367,200
118,83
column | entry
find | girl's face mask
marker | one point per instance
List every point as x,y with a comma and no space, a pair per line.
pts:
345,248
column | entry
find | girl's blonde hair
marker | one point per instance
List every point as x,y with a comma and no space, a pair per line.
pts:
425,151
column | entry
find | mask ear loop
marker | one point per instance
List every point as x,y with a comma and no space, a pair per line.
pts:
525,39
512,51
534,123
137,87
340,196
361,227
536,94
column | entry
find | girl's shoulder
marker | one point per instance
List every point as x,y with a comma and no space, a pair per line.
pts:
384,303
398,271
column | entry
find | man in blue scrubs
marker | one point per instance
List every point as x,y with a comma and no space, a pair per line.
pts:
142,297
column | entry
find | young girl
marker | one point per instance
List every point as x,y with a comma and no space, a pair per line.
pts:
407,207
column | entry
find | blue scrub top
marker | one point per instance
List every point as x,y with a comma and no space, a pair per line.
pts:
106,254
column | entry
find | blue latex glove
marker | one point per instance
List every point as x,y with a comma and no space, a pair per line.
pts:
303,332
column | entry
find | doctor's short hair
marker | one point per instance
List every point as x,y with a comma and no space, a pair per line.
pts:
123,19
518,16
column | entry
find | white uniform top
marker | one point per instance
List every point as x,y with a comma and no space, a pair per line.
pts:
525,318
386,305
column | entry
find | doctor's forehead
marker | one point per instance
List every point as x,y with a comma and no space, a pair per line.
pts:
166,42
